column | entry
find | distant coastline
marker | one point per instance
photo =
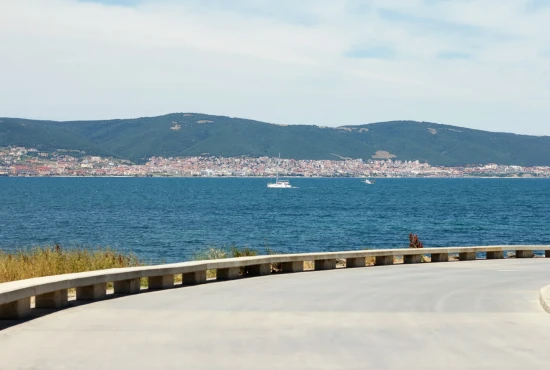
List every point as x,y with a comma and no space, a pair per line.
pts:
195,135
30,162
289,177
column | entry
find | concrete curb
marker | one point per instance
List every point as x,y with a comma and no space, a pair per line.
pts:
544,297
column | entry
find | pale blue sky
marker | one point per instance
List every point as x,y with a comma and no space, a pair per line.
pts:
482,64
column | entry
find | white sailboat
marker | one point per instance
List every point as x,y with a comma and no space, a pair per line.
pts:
279,184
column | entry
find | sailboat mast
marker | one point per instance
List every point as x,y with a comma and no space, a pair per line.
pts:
278,164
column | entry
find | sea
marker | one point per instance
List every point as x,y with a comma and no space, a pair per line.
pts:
175,219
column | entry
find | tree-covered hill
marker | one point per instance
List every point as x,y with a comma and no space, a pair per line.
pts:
192,134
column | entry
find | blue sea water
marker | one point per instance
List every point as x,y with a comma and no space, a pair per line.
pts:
171,219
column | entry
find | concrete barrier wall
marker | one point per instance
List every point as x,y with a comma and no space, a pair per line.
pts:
51,291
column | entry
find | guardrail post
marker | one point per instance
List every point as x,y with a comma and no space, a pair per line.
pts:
467,256
325,264
294,266
495,255
440,257
524,254
15,310
91,292
130,286
194,278
383,260
356,262
56,299
161,282
228,273
259,270
412,258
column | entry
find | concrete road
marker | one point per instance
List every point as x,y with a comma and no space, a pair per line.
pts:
456,315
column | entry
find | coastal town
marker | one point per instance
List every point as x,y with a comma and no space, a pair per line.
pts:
28,162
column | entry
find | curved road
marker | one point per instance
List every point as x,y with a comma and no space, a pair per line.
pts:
456,315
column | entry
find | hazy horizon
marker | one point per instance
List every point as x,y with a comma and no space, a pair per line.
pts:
481,64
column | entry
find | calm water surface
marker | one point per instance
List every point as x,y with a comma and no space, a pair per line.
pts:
172,218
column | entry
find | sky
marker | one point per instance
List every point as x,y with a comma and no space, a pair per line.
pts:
482,64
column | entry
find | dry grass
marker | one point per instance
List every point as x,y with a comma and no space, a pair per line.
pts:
53,260
211,254
220,253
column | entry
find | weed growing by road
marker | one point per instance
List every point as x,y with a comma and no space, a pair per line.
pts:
55,260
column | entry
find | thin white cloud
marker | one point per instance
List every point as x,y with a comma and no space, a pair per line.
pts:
285,61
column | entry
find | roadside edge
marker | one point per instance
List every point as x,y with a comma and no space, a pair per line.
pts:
544,297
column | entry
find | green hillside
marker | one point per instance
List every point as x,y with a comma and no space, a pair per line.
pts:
191,134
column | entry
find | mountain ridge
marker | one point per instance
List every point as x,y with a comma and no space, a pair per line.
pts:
193,134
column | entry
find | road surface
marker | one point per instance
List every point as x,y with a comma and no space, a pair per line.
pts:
456,315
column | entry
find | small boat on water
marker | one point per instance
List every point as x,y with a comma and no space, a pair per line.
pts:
279,184
369,182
